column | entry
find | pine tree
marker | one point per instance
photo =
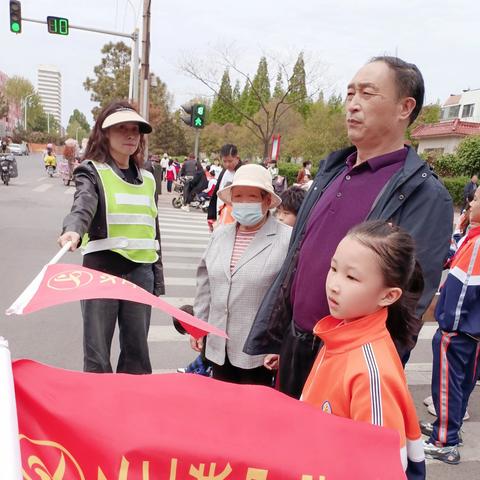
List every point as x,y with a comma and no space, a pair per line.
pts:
236,97
260,89
298,88
222,111
279,91
244,97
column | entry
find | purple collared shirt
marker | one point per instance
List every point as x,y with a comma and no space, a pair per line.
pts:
346,202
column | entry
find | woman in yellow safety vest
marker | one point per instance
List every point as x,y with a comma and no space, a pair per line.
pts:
115,204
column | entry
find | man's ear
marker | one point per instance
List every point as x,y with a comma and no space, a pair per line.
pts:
406,107
391,295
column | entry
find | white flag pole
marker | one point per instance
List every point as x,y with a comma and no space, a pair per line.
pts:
10,460
19,304
60,253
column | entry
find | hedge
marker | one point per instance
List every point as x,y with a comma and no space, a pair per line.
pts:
290,170
455,186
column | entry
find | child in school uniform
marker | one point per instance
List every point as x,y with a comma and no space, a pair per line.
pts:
373,286
456,345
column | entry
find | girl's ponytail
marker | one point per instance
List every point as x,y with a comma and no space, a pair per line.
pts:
395,249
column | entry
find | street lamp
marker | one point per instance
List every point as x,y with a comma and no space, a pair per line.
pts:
25,107
76,134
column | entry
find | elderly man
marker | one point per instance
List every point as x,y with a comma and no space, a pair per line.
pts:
378,178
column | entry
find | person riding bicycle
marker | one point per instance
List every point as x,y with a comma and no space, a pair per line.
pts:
49,158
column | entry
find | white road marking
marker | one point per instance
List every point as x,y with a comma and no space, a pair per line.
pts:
428,331
43,188
183,230
182,246
165,333
180,266
178,301
180,282
183,237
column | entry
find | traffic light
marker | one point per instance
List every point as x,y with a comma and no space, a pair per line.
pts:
198,117
15,16
57,25
187,117
194,115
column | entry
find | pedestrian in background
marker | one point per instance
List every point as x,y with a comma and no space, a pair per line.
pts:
171,175
164,162
231,163
305,170
239,264
115,205
469,190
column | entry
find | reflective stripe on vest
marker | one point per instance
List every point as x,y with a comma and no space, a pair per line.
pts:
130,216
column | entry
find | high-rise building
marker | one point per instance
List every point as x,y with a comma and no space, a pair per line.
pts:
49,87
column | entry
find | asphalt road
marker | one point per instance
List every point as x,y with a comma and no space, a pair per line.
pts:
32,208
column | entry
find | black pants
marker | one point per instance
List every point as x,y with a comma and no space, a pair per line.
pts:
169,185
297,355
252,376
99,320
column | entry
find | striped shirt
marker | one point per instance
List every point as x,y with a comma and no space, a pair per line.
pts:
242,241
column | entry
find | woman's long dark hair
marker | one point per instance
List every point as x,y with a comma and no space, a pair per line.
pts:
98,146
395,250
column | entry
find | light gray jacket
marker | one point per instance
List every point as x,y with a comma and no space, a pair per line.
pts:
230,300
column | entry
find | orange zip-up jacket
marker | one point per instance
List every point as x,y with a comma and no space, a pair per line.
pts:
358,375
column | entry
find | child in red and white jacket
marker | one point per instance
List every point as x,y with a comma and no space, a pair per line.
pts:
456,345
372,288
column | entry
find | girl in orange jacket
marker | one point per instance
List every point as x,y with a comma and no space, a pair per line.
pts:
372,288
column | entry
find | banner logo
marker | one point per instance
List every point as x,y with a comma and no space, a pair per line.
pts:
70,280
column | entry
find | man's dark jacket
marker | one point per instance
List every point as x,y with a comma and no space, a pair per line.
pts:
212,207
414,199
189,168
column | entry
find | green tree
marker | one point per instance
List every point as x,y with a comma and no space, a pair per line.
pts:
222,111
17,88
428,114
259,94
112,76
78,126
279,91
298,87
468,154
81,119
261,115
323,131
168,135
3,105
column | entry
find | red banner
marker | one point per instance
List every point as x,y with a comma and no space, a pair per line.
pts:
84,426
63,283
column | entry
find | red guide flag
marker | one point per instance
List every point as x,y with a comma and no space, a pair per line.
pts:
62,283
84,426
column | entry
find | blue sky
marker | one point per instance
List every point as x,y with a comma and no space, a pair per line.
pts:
440,37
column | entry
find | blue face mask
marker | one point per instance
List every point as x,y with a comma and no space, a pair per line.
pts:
247,214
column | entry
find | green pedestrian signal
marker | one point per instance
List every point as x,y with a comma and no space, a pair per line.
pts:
15,16
198,117
57,25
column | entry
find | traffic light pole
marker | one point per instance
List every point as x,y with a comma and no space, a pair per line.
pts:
133,93
197,143
145,67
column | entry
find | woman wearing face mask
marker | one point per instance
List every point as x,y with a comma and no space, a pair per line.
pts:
237,268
